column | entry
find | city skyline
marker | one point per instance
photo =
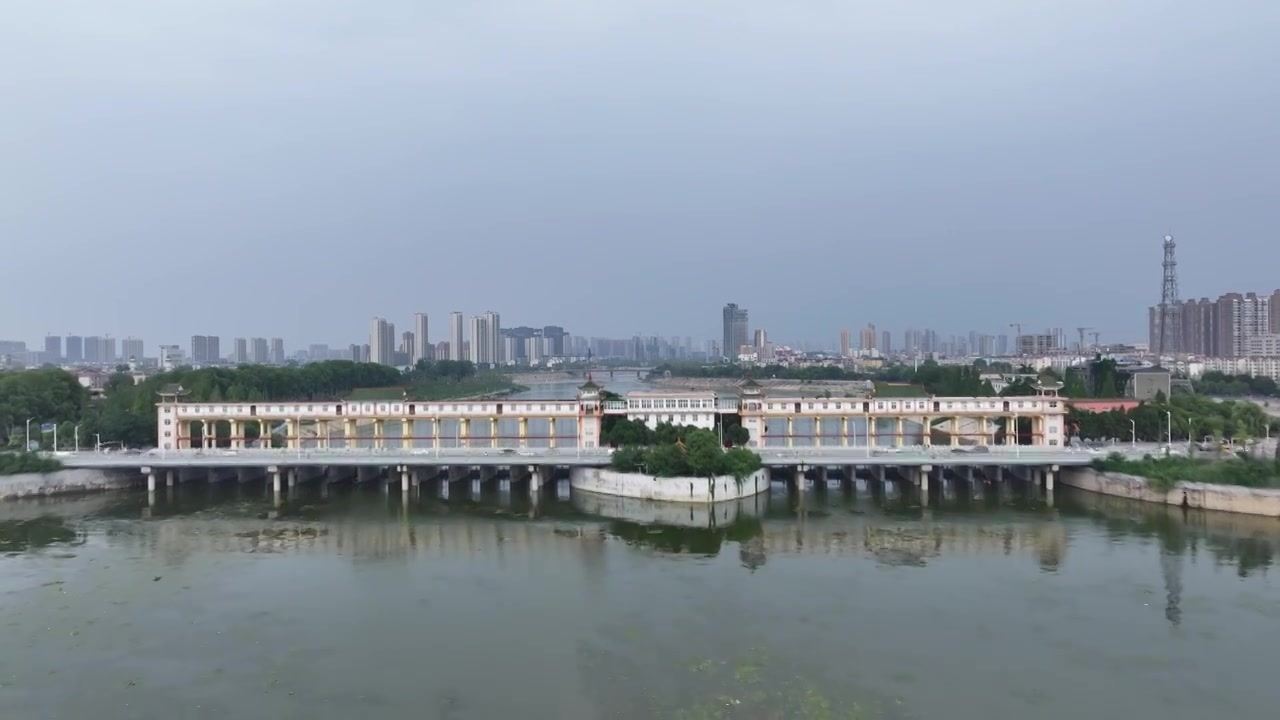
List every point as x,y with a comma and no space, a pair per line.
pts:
1014,154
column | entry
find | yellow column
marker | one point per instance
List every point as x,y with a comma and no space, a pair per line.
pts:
553,432
377,434
464,432
293,434
208,437
844,431
927,440
406,432
790,431
524,430
349,437
871,430
982,430
955,430
435,433
899,429
817,432
322,438
493,432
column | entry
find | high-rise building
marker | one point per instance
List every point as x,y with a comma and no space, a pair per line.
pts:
886,342
75,349
382,342
486,339
131,349
867,337
1275,312
442,350
259,351
734,320
240,351
1237,318
171,357
93,350
555,337
277,351
421,343
846,342
109,349
911,340
204,350
1037,344
317,352
355,353
456,340
52,349
407,347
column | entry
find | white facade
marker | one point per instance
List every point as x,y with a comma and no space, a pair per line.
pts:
683,489
654,408
1251,366
382,342
1263,345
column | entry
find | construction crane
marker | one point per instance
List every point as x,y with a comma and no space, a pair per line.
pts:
1082,331
1017,341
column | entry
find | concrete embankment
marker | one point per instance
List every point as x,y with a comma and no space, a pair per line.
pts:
1225,498
63,482
685,490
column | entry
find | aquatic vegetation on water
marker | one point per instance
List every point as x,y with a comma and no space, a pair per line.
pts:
22,535
746,689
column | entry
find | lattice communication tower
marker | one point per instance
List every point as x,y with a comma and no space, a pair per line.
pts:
1170,310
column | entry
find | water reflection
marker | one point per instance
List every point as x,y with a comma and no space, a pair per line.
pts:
232,605
37,532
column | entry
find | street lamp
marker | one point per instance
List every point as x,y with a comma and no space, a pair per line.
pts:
77,437
97,442
1133,433
1169,447
26,445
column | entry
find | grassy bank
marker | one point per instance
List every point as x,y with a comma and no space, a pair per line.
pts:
442,389
1164,472
12,463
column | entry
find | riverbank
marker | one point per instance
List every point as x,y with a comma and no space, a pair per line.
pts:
604,481
61,482
795,388
1225,498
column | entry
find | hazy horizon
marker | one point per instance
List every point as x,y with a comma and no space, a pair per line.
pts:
292,169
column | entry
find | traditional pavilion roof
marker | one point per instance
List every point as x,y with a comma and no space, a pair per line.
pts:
172,390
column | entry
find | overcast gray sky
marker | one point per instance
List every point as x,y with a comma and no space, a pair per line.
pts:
293,167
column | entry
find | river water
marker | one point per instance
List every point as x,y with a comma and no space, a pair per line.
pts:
618,382
210,602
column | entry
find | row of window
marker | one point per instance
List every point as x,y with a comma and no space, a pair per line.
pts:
411,409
